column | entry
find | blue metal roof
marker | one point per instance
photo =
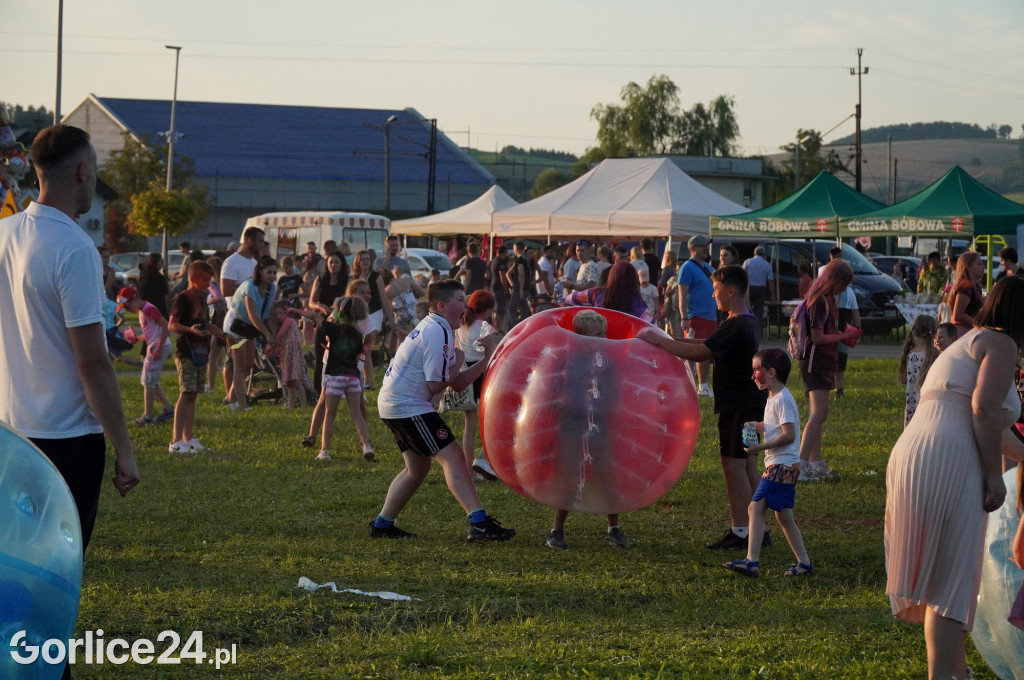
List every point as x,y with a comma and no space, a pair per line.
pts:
298,142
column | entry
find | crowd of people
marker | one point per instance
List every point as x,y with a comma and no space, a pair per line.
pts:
963,406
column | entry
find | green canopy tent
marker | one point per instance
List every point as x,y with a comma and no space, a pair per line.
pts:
812,212
955,205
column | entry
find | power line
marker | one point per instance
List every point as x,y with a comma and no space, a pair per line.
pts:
438,62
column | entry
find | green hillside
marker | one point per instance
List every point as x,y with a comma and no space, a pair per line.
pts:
516,169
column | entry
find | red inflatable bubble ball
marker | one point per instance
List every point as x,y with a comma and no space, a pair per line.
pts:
587,424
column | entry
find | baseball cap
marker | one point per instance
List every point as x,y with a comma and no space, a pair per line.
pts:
124,296
698,240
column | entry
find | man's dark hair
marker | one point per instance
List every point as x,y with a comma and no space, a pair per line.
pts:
775,358
835,252
732,275
502,249
56,146
251,233
442,291
185,244
934,255
646,243
519,245
473,248
1009,253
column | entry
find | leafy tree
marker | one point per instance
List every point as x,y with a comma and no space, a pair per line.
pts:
649,120
157,210
812,161
1005,131
549,180
138,169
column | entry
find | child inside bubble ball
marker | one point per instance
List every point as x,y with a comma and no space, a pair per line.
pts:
590,323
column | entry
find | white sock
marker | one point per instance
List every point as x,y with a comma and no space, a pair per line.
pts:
742,532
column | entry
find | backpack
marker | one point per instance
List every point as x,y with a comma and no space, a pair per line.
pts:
800,346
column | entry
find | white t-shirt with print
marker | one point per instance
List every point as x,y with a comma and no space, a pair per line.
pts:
426,355
781,409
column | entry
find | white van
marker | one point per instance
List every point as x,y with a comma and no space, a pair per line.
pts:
289,232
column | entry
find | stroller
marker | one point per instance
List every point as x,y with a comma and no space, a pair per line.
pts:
264,380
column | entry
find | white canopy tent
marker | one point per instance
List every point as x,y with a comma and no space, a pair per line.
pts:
472,218
622,197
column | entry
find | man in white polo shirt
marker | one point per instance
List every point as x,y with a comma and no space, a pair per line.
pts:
426,363
57,385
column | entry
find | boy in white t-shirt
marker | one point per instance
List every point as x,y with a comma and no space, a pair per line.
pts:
777,490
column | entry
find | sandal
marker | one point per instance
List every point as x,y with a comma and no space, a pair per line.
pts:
799,569
144,420
308,442
744,567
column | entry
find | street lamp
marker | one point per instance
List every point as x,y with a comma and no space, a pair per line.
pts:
171,135
387,164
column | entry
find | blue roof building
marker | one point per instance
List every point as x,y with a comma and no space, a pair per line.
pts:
258,158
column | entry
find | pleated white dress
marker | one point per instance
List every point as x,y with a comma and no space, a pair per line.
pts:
934,521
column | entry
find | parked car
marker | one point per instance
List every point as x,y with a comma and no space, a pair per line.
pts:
130,263
422,260
874,289
887,265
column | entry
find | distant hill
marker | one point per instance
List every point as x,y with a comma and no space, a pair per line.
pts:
516,168
907,132
995,162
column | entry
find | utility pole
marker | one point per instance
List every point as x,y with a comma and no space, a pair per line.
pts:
857,151
60,56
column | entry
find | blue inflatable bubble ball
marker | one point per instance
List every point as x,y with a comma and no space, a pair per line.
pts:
40,558
999,642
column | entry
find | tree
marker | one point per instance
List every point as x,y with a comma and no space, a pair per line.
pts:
156,210
1005,131
650,120
137,170
549,180
811,163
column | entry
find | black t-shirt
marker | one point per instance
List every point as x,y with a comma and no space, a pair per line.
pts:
653,263
499,265
734,345
190,308
477,270
289,285
344,345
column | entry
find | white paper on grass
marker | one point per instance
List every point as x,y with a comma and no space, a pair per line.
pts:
311,587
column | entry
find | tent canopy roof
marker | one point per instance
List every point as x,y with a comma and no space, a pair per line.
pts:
624,197
954,205
810,212
472,218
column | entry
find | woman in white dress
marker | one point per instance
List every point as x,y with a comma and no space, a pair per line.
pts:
945,475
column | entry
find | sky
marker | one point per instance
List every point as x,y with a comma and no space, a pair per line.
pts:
529,72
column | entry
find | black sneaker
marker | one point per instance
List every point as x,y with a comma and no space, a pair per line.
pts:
556,539
617,538
489,530
389,532
766,540
729,542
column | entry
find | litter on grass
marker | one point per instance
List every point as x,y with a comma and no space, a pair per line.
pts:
311,587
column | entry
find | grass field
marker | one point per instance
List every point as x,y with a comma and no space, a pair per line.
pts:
217,542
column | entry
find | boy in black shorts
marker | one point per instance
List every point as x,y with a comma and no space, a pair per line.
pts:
737,399
425,364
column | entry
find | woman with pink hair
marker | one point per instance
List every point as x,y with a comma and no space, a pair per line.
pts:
818,368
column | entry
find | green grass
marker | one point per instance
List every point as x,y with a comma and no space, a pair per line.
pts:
217,543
